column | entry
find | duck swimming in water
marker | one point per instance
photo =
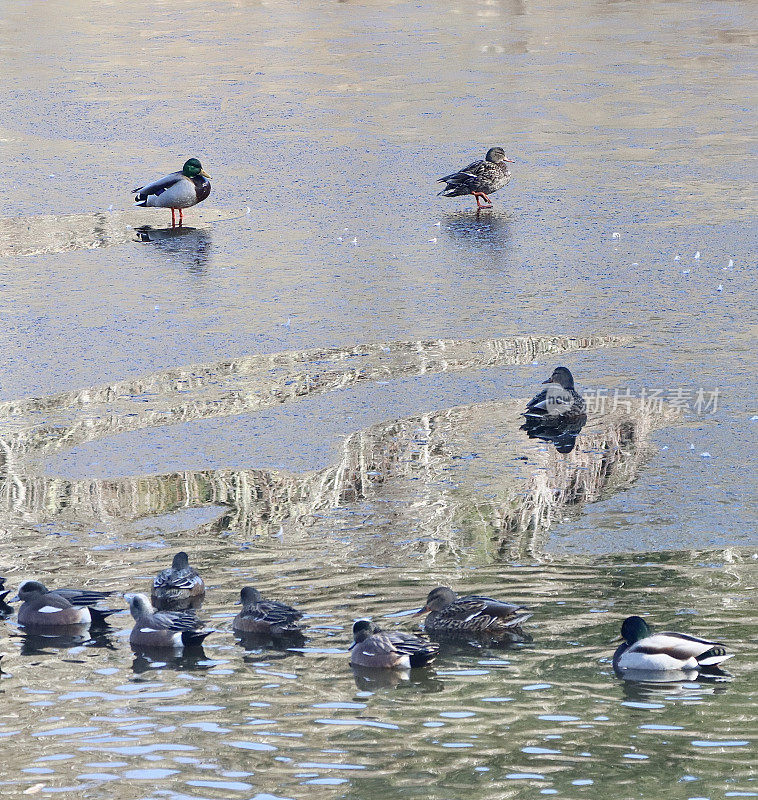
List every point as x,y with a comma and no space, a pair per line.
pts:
187,187
378,649
266,617
472,617
480,178
645,651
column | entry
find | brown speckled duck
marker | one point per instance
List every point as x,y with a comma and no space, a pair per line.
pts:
378,649
472,617
480,178
265,617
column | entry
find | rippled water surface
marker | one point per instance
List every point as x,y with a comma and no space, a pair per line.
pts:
374,453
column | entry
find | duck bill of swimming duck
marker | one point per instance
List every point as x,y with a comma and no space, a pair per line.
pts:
509,160
204,174
424,610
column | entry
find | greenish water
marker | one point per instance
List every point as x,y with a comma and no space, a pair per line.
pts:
544,718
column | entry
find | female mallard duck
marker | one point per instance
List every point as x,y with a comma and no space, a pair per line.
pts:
153,628
176,191
470,617
643,650
42,607
558,403
373,647
265,617
480,178
177,585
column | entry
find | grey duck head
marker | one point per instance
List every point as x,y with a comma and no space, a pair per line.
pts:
496,154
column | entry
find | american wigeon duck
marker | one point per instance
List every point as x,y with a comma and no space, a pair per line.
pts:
480,178
5,609
265,617
187,187
645,651
472,617
558,403
172,629
42,607
176,586
378,649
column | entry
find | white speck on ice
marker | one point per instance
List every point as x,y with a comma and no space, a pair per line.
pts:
685,272
616,235
692,447
355,241
438,223
247,209
720,288
697,255
677,258
705,455
434,240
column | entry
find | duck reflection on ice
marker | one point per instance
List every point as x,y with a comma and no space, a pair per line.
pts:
486,232
562,434
190,247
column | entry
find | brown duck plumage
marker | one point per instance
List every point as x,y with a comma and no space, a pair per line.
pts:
266,617
378,649
450,616
480,178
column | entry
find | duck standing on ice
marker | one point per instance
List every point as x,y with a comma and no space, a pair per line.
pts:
480,178
187,187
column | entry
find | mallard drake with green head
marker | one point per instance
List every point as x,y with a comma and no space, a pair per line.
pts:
645,651
480,178
265,617
176,191
472,617
378,649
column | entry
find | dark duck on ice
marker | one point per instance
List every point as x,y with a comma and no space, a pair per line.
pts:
480,178
187,187
559,402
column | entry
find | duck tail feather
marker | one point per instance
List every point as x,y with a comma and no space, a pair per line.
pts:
713,656
194,638
99,615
